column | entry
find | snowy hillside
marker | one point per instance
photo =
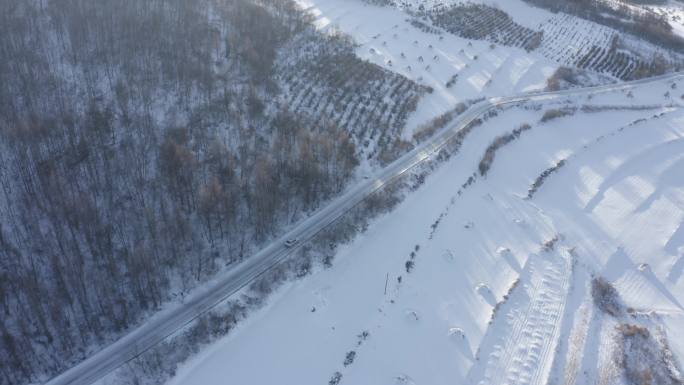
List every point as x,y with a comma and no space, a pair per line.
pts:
341,192
457,69
674,11
170,141
560,262
499,48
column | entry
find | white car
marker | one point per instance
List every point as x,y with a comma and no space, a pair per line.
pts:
291,242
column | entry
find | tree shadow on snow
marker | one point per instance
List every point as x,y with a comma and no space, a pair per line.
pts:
677,270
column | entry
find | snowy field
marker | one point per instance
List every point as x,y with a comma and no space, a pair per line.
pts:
459,69
674,10
479,284
387,38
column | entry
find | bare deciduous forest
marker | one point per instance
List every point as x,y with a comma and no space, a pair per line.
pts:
146,144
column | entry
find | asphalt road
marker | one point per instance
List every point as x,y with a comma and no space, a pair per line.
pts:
203,299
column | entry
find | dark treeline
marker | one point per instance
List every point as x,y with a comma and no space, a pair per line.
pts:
646,25
143,145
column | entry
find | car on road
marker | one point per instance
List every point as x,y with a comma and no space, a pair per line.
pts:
291,242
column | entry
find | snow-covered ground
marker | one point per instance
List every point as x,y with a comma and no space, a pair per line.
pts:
674,10
499,285
387,38
459,69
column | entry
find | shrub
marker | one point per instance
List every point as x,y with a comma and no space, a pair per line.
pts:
606,297
349,358
488,157
646,360
335,379
560,78
389,154
556,113
550,245
379,3
542,177
427,130
535,42
506,296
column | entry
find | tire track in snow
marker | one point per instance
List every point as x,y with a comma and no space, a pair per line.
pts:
519,344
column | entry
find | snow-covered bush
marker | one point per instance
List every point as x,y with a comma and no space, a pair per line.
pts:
556,113
542,177
349,358
335,379
605,297
488,157
645,359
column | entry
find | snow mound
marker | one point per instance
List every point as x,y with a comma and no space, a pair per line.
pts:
457,334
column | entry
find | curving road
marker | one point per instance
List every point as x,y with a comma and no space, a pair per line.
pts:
203,299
